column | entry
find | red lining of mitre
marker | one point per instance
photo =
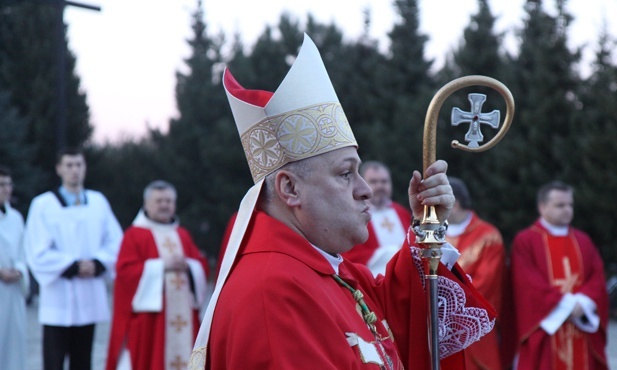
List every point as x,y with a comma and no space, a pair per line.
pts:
255,97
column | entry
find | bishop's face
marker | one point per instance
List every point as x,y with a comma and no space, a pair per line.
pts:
558,209
334,198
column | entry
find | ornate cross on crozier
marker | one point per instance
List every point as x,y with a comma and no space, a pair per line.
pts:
475,118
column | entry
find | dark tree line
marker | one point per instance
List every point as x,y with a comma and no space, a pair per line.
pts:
563,127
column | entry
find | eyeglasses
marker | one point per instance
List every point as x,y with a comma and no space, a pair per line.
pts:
6,184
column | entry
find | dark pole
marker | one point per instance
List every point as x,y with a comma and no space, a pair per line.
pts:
60,76
61,137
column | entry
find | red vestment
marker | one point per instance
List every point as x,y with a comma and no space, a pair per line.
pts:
535,297
282,309
223,247
483,257
362,253
143,333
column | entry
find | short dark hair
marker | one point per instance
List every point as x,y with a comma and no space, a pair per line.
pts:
5,171
68,151
460,191
542,196
372,164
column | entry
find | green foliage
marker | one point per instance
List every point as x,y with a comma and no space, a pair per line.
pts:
562,129
28,69
537,148
595,169
122,171
16,154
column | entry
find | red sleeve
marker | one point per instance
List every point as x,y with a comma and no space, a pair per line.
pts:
402,296
223,248
133,254
534,297
488,271
594,287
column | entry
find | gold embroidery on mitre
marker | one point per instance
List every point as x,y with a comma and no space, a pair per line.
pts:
295,135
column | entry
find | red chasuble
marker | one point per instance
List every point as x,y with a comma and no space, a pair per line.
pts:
362,253
282,309
544,268
483,257
142,333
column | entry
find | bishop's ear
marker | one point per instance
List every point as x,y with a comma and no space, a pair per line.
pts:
286,187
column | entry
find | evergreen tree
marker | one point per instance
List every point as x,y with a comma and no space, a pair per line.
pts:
477,54
16,154
28,69
596,173
359,86
191,149
537,148
122,170
406,91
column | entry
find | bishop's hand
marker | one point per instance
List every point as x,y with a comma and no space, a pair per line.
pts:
434,190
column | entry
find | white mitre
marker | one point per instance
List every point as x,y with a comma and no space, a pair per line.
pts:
302,119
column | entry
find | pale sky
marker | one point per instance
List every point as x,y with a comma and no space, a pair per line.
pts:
128,54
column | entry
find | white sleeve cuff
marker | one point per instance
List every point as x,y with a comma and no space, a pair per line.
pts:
449,255
149,294
592,322
559,315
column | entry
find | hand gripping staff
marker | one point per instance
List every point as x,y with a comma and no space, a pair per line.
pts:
430,232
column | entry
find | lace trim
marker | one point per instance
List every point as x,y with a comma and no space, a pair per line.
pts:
459,326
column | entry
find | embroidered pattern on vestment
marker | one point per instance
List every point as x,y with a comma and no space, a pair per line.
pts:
459,326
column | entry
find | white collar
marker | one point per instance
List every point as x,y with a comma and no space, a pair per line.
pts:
554,230
455,230
141,220
334,261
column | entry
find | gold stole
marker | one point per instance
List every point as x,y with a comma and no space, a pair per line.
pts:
565,266
178,303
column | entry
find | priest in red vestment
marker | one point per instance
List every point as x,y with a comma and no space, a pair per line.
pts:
159,288
285,298
561,302
389,222
483,258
